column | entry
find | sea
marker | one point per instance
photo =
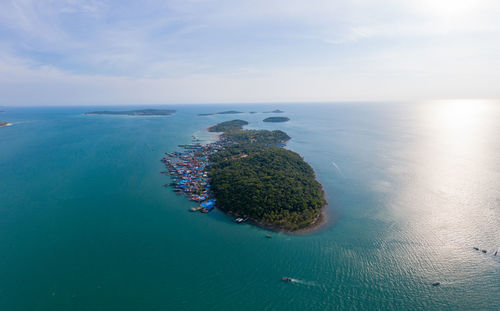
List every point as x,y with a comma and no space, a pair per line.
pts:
87,224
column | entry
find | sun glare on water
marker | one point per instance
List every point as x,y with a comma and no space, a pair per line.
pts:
459,114
449,193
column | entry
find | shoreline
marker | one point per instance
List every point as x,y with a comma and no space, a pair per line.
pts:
320,221
213,136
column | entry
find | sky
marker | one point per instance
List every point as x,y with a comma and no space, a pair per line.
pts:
75,52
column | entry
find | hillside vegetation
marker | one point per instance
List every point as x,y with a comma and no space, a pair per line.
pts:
273,186
228,126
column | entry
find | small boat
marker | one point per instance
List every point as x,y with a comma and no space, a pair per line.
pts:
484,251
195,209
239,220
436,283
496,252
475,248
268,236
286,279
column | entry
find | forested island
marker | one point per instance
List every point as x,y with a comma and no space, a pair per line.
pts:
276,119
222,112
142,112
228,126
274,111
252,176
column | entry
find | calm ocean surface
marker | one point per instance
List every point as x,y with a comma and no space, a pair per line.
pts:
86,224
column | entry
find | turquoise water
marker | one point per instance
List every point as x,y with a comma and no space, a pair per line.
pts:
86,224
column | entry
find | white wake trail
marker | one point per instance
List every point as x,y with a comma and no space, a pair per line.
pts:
338,168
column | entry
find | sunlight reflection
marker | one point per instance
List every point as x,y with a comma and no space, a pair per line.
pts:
458,114
448,196
458,124
453,147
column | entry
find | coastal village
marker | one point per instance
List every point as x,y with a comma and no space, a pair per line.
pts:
213,175
188,172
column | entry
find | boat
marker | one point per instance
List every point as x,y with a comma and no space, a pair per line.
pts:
435,283
195,209
207,206
484,251
268,236
239,220
475,248
286,279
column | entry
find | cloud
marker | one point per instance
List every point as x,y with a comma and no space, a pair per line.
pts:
260,50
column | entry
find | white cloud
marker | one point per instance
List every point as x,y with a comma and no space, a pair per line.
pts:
199,50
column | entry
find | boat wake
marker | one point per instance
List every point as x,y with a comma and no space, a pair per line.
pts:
302,282
338,168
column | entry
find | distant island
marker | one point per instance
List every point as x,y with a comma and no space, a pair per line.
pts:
274,111
228,126
142,112
222,112
254,178
276,119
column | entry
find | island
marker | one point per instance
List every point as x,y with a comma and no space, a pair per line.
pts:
222,112
274,111
228,126
276,119
247,174
255,178
142,112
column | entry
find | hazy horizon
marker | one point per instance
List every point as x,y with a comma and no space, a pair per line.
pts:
229,104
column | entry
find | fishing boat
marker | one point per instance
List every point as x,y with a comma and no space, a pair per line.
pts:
435,283
195,209
286,279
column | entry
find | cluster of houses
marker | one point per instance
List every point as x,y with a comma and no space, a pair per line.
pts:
188,172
